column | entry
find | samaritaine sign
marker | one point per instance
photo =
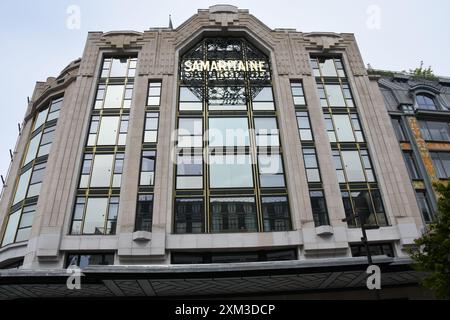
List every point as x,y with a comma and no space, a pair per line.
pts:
229,65
225,65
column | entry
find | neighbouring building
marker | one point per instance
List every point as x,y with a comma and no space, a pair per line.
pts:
218,158
419,110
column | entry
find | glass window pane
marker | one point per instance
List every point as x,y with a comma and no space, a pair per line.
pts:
303,121
299,101
266,125
343,127
267,140
151,124
353,167
270,164
189,165
276,214
189,182
23,234
48,135
34,190
186,94
313,175
335,96
119,67
445,159
94,222
424,207
153,101
27,216
147,178
148,161
265,94
191,106
40,119
154,91
32,148
102,169
363,206
327,68
22,186
144,214
189,215
263,106
272,181
11,228
150,136
310,160
440,172
297,89
108,131
233,214
190,126
230,171
319,208
114,96
38,174
228,132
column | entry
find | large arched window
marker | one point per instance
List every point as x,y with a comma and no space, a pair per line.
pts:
426,101
229,157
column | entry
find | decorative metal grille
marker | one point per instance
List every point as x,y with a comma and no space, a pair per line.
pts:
225,86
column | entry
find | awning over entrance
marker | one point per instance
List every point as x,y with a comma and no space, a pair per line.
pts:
212,280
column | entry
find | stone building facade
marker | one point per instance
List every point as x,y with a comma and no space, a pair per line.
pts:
101,179
419,110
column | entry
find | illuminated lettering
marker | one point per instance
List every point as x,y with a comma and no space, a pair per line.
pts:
188,66
262,67
225,68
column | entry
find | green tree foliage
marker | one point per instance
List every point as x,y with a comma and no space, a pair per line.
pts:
422,72
434,254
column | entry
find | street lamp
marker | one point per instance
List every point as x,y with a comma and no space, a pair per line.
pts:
364,239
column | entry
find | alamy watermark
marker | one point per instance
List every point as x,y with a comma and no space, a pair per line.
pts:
73,21
374,280
74,280
373,21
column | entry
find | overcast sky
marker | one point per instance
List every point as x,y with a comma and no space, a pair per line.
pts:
38,38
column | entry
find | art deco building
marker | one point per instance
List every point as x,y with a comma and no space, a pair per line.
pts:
218,158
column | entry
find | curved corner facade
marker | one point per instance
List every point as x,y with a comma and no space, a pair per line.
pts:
221,141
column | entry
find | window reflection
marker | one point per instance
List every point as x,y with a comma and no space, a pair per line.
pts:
233,214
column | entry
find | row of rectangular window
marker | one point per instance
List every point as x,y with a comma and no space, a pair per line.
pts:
316,195
351,159
29,184
108,130
102,170
119,67
227,132
230,98
343,128
366,204
441,162
229,171
144,206
114,96
82,260
95,215
327,67
353,166
435,130
232,257
231,214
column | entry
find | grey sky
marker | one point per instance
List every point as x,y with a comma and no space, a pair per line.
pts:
36,42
